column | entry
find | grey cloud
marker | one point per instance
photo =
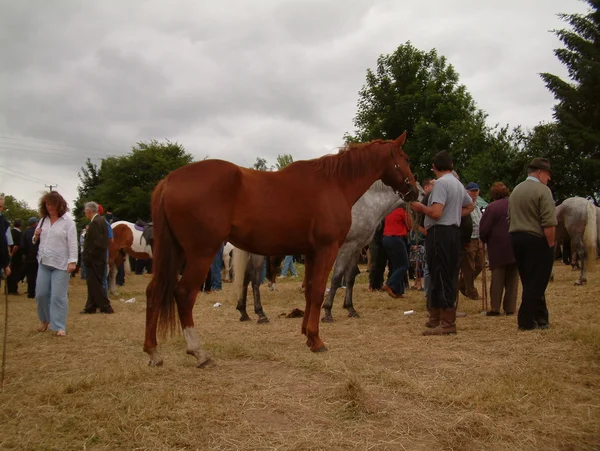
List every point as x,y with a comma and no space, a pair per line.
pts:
236,79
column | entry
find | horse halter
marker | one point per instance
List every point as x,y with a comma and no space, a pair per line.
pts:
406,180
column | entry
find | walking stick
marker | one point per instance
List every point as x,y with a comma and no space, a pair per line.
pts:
5,330
484,301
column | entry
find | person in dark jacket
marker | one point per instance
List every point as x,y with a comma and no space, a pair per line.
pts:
493,231
4,255
30,252
94,257
16,259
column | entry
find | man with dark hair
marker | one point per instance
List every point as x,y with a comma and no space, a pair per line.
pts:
532,219
448,202
16,262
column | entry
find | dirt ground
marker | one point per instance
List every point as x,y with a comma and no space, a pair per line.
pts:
381,385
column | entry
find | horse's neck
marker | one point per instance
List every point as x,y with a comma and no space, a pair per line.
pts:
354,187
370,209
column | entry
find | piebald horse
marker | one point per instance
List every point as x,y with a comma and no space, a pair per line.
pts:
315,199
130,239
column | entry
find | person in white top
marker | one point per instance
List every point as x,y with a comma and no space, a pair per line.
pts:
57,258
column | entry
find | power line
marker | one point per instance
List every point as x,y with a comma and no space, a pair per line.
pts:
53,143
11,149
20,177
20,173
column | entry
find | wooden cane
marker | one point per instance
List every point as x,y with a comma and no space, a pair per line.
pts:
5,332
484,301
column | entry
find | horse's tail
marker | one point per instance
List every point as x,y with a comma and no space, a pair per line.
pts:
165,264
590,235
239,263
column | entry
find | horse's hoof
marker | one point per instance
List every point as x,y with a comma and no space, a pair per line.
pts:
208,363
245,317
327,319
321,349
158,362
353,314
262,320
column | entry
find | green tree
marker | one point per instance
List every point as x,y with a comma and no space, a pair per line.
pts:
18,209
578,109
260,164
419,92
89,181
283,161
125,183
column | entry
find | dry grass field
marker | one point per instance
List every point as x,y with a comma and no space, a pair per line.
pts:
381,385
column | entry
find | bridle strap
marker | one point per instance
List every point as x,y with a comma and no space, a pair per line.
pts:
406,179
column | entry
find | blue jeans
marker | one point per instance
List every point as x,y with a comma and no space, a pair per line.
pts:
288,266
215,269
263,272
395,247
51,296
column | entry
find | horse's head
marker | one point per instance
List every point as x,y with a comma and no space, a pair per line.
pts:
397,173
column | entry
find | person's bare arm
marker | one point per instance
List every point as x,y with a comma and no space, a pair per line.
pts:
467,209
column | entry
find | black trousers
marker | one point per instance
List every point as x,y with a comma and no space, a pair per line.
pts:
378,260
16,274
442,252
96,295
534,261
31,270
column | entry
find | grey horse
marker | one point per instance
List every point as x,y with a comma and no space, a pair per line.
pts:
368,211
253,265
579,220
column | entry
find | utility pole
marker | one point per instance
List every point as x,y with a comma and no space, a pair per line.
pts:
50,186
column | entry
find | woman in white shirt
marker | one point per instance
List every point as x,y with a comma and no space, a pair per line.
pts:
57,258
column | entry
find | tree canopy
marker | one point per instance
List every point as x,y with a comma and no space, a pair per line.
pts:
125,183
419,92
577,112
18,209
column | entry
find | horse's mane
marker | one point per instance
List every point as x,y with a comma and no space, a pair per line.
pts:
351,161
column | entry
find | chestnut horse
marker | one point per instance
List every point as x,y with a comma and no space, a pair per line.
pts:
199,206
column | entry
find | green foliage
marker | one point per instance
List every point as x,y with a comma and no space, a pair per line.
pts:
125,183
18,209
283,161
578,109
419,92
260,164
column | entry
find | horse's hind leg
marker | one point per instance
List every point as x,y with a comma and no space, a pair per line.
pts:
150,342
185,296
336,281
241,304
351,274
256,279
579,250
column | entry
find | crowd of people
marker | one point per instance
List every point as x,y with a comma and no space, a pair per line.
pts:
451,231
445,244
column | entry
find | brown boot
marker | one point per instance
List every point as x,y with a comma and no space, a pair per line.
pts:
434,318
447,324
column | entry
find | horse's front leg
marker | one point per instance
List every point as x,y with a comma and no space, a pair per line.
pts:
112,279
318,267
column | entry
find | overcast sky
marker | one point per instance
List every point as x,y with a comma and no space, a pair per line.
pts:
239,79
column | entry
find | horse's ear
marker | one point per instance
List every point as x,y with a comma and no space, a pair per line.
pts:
401,139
